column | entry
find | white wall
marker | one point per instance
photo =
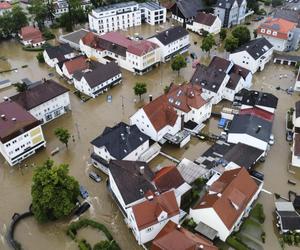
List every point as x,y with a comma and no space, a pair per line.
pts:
248,140
215,28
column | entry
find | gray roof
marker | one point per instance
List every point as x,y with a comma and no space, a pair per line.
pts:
99,74
59,51
288,14
256,48
172,34
297,109
189,8
132,184
116,6
249,124
290,220
120,140
151,5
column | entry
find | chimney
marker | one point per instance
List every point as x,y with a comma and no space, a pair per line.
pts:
178,226
128,130
150,98
142,170
3,117
258,129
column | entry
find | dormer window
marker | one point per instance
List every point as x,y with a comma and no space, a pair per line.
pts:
262,30
274,33
269,32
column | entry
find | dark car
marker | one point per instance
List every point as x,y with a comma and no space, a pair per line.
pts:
289,136
83,207
83,192
95,177
258,175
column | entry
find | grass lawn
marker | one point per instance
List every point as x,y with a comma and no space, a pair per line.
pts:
252,228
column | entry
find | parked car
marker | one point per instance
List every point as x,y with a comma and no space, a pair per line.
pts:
258,175
83,192
272,140
289,136
83,207
95,176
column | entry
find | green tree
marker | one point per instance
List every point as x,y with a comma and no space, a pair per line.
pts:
6,25
106,245
231,44
40,57
63,135
21,87
242,33
140,88
54,192
207,43
223,34
39,10
253,5
255,33
19,19
178,63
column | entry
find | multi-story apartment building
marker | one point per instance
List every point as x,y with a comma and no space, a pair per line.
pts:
121,16
21,134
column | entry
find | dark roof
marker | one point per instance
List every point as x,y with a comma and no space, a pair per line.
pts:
188,8
172,34
249,124
131,183
205,18
14,121
296,202
98,74
256,48
257,98
297,145
297,109
59,51
120,140
227,4
288,14
39,94
290,220
243,155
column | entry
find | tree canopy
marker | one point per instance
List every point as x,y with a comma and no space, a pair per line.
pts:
231,43
253,5
178,63
39,11
242,33
63,135
21,86
223,34
54,192
207,43
140,88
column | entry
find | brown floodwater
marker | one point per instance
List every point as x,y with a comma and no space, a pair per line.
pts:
87,120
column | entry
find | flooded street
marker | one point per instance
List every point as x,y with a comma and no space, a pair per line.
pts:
87,120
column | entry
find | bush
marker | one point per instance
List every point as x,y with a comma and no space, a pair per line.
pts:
236,243
263,237
258,213
40,57
106,245
48,35
84,245
28,48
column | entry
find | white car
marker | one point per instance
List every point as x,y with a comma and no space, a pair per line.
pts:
272,140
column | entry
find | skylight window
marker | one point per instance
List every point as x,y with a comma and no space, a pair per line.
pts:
171,100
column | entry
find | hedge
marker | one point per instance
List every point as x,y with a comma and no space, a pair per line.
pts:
235,242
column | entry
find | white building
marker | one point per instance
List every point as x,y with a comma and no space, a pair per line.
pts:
153,13
227,202
121,142
31,36
297,83
173,41
138,57
45,101
282,34
205,22
56,54
97,79
148,218
296,151
69,67
21,134
221,79
231,12
253,55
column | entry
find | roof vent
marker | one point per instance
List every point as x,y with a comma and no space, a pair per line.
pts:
258,129
141,192
142,170
201,246
167,33
128,130
3,116
122,136
14,119
150,197
178,226
5,98
219,195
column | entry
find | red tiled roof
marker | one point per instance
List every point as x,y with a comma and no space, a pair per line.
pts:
279,25
146,213
31,33
258,112
172,237
5,6
168,178
231,201
160,113
185,97
77,64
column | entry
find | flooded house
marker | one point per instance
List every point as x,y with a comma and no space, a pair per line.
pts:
21,133
56,54
205,22
45,101
31,36
253,55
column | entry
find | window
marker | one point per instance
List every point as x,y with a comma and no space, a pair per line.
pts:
149,229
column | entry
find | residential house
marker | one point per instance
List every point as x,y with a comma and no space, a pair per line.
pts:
121,16
282,34
97,79
228,200
296,117
250,130
157,118
21,134
221,79
56,54
205,22
173,41
31,36
68,67
121,142
296,150
185,11
297,83
45,101
231,12
4,7
291,15
288,219
61,6
136,56
129,183
175,237
148,218
249,99
253,55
